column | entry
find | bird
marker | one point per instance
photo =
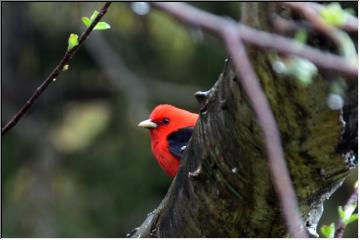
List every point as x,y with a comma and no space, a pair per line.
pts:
170,131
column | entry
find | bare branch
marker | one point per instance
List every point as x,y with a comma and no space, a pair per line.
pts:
55,73
283,26
247,79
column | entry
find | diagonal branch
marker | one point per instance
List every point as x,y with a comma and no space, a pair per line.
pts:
54,74
246,78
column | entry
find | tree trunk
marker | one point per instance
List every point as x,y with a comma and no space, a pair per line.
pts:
223,187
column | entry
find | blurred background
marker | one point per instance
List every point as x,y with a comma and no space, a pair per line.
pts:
77,165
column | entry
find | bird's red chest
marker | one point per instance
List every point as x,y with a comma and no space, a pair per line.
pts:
164,158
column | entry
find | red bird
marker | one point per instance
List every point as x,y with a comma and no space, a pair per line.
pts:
170,130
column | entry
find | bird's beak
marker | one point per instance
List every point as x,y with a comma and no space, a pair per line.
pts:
147,124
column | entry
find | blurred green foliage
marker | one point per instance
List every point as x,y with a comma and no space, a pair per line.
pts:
77,165
334,14
328,231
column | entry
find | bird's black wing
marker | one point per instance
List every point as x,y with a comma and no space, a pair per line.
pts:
178,140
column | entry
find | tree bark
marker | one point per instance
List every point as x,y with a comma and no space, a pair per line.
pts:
223,187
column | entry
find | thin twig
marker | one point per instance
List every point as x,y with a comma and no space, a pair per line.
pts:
231,35
353,199
285,26
54,74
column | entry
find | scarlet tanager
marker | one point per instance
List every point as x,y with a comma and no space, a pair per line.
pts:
170,130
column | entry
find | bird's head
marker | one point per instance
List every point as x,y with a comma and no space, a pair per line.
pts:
166,118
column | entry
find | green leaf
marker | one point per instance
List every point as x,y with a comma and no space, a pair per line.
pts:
328,230
99,25
333,14
73,41
352,218
93,16
86,21
102,26
342,213
347,214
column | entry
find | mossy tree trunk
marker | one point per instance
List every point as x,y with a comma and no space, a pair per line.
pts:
223,188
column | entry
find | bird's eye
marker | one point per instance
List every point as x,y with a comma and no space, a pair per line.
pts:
165,121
